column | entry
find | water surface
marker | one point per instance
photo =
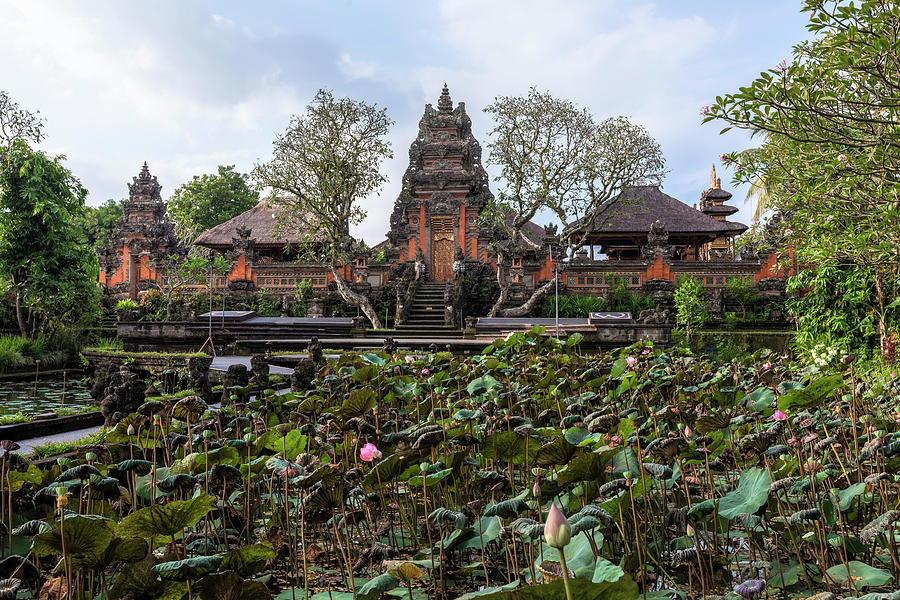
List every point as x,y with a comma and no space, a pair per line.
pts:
45,395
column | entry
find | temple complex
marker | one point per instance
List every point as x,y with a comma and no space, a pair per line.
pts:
644,237
142,237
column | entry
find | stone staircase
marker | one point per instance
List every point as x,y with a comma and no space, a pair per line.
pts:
426,313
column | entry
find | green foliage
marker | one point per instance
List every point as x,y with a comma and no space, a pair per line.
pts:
572,306
690,305
208,200
97,223
834,306
51,272
829,159
126,304
266,303
57,448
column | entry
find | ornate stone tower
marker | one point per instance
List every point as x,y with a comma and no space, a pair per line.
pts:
444,190
141,238
712,204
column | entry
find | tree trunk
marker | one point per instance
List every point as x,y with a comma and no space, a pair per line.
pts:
879,298
521,311
504,286
354,299
20,317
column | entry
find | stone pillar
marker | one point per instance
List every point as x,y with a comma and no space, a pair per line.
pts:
198,375
260,369
236,376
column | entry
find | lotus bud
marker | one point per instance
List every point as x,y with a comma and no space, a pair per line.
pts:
536,489
90,457
369,452
130,430
779,416
690,530
557,531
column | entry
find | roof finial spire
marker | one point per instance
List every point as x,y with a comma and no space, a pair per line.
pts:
445,104
713,181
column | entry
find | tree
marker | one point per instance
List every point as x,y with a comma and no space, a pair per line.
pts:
831,160
17,123
182,271
208,200
690,305
97,223
554,156
323,166
52,274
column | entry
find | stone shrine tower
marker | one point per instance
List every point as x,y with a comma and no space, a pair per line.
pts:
444,190
142,237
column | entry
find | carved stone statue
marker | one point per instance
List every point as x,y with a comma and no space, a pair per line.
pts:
657,242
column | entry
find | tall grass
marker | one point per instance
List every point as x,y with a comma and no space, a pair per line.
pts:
13,353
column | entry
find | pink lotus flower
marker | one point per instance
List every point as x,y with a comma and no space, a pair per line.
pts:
557,531
893,375
788,231
766,366
784,357
645,352
426,372
369,453
410,359
842,157
779,416
631,360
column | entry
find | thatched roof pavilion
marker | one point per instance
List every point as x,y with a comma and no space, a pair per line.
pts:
620,229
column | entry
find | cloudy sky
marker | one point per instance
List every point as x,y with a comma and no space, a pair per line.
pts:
189,85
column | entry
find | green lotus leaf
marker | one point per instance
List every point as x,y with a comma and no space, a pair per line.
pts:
81,472
119,550
359,402
84,537
140,467
16,479
812,394
859,574
373,589
506,509
31,528
189,568
231,586
181,481
482,384
248,560
751,493
168,520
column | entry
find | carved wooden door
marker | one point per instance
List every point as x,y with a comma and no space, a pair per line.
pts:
442,248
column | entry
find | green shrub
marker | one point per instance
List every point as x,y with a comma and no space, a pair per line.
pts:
13,352
690,305
572,306
126,304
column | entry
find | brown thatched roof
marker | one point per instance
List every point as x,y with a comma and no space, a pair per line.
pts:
261,220
635,209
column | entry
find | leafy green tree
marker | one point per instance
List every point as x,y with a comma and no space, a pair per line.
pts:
554,156
52,275
325,163
691,311
831,158
208,200
97,223
181,272
17,123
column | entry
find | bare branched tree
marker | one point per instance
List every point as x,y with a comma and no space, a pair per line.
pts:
325,163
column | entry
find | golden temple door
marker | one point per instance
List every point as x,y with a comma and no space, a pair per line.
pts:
442,248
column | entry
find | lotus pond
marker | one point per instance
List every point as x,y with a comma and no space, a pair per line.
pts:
42,396
432,476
